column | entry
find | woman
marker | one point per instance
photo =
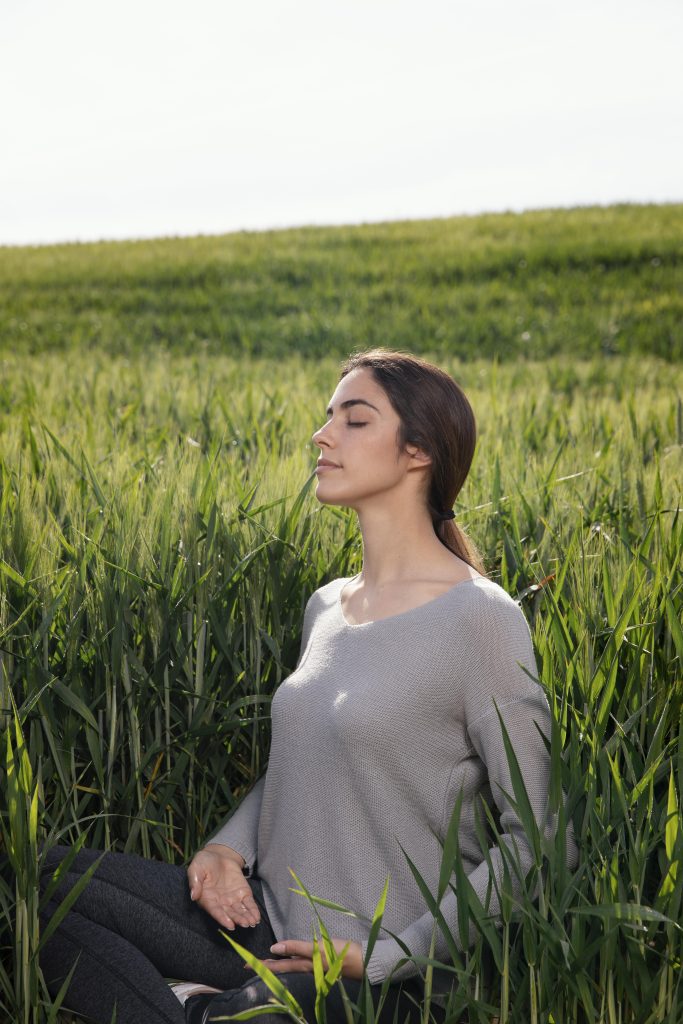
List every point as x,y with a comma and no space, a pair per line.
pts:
391,715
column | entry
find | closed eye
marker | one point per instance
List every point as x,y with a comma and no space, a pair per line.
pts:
357,423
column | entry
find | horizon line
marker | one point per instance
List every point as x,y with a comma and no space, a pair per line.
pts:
326,225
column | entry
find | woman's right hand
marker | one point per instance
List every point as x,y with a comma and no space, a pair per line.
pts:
220,888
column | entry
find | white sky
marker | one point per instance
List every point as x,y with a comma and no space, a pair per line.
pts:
153,117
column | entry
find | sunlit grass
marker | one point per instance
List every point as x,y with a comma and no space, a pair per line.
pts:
159,539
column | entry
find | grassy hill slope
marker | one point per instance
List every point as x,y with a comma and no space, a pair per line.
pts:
585,281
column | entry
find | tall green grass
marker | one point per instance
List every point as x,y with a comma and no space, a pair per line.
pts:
158,541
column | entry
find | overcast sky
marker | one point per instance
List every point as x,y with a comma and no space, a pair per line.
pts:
153,117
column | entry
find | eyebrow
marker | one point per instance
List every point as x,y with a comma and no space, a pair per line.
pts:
350,402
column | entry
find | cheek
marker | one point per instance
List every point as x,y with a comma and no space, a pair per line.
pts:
372,454
385,458
377,468
382,447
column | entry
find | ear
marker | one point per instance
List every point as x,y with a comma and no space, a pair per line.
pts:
418,457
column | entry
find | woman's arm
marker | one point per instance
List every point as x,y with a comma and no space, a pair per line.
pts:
240,831
496,677
487,738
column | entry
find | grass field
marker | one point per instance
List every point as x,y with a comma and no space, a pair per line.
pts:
158,541
589,281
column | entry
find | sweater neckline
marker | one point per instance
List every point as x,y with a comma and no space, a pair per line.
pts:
399,615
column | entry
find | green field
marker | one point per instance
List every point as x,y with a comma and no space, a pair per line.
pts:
159,539
587,282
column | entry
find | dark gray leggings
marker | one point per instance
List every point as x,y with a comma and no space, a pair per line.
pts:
135,925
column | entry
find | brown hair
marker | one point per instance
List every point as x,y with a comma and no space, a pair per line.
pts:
437,418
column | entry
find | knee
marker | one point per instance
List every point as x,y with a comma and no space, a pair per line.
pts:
249,996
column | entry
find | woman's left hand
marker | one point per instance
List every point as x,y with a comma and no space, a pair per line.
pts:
297,955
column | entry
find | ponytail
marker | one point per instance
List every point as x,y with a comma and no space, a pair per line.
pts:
456,540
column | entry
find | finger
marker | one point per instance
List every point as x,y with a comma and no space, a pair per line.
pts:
253,908
237,911
251,911
293,947
219,903
248,900
195,883
244,898
251,915
237,915
289,965
244,909
223,915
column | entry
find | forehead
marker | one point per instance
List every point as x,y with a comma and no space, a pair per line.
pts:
360,383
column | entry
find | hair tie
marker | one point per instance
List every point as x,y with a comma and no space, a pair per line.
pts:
450,514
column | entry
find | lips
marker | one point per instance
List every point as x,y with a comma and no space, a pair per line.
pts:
326,464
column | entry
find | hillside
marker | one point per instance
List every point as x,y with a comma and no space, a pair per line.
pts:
586,281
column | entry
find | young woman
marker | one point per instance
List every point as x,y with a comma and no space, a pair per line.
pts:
390,717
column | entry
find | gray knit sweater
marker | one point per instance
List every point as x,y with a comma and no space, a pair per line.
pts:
375,734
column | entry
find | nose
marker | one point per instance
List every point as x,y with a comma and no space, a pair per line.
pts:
321,437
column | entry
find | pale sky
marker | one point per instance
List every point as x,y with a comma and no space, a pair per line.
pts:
154,117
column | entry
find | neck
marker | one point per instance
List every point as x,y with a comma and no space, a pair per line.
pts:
398,546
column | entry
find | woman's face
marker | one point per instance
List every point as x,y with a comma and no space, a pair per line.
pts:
359,458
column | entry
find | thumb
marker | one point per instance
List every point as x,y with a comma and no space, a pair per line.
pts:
195,883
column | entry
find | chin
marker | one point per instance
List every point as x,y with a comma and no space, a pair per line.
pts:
328,498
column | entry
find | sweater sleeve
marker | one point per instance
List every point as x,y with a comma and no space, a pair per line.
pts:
240,831
494,673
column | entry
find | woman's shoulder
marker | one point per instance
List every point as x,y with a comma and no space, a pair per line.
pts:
326,594
494,650
330,589
486,610
482,592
